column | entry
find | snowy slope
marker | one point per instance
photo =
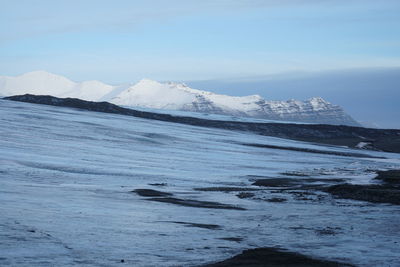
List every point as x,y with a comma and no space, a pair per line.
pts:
44,83
175,96
90,90
152,94
37,82
66,177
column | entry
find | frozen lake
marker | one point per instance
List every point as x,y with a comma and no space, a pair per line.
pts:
66,178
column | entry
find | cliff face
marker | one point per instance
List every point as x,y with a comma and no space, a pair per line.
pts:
175,96
314,110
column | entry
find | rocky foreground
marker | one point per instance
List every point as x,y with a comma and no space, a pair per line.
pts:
103,189
357,137
388,191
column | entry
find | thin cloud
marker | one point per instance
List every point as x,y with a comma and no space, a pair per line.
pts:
57,17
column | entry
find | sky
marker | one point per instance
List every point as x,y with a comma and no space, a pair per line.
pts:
126,40
347,51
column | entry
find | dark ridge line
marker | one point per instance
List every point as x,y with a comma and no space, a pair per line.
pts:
311,150
198,225
195,203
387,140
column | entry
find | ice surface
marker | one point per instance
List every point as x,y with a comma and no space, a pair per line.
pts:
66,177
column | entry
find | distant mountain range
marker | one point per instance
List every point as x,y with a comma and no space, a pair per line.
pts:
176,96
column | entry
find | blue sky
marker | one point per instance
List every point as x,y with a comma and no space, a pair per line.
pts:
120,41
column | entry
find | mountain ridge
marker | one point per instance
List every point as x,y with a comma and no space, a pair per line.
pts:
176,96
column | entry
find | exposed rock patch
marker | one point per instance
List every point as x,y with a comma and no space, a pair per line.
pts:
294,173
225,189
391,176
276,199
309,150
234,239
195,203
389,192
371,193
290,182
245,195
158,184
273,257
151,193
200,225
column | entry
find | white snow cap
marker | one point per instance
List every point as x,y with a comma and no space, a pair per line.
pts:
45,83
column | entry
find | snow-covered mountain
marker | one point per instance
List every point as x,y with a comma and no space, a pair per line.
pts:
175,96
44,83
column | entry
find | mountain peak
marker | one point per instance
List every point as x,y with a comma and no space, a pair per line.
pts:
177,84
318,103
41,74
146,81
45,83
318,99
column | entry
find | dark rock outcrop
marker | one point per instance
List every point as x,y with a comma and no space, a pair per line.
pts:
387,192
273,257
390,176
371,193
195,203
151,193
